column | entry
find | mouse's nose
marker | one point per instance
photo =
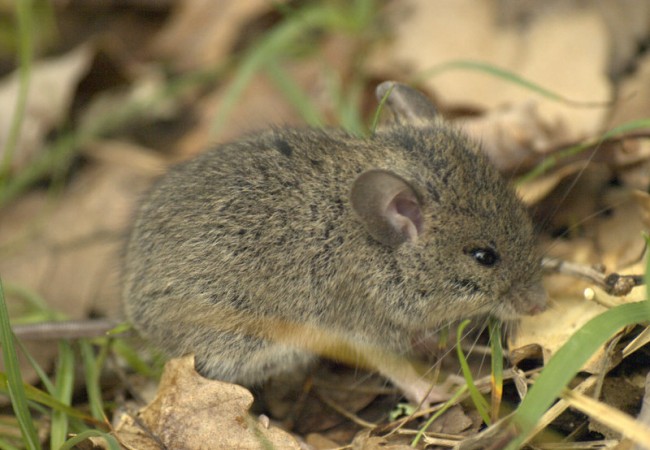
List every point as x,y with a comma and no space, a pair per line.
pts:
536,300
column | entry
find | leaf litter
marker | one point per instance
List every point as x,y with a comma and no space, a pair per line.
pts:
592,208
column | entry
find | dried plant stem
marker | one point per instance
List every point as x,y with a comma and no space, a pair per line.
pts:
613,283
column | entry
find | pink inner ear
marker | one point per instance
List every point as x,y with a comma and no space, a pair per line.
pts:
405,216
409,209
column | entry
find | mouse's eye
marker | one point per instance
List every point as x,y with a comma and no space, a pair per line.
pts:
485,256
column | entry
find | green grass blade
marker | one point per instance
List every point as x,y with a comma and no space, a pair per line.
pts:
478,399
494,327
24,18
63,393
133,359
36,395
506,75
342,16
15,386
451,402
294,94
349,114
380,108
269,48
38,307
569,359
110,440
551,160
5,445
92,370
38,369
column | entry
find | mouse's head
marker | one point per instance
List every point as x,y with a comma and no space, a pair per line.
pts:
463,241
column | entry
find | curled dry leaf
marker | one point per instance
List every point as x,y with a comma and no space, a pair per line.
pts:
261,105
565,49
632,104
68,252
333,388
628,24
192,412
514,137
51,88
202,32
366,441
620,234
555,326
454,422
537,189
75,243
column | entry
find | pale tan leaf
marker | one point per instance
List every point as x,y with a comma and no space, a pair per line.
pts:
51,88
564,49
202,32
192,412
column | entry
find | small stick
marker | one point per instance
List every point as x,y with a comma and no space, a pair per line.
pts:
613,284
68,329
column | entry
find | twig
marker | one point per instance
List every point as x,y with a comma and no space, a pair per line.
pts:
68,329
613,284
347,414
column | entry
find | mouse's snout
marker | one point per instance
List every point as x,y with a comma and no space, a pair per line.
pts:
535,301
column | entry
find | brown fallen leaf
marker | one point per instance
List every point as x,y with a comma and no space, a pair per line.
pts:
628,24
261,105
365,441
320,442
619,235
514,137
564,48
67,250
453,421
537,189
192,412
76,239
333,388
202,32
51,88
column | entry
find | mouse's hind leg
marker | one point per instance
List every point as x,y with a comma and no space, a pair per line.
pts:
248,360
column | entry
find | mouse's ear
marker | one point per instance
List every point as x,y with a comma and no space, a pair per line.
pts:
409,106
388,206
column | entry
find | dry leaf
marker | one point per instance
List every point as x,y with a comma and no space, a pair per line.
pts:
67,250
564,49
262,105
192,412
453,421
320,442
51,88
350,389
537,189
202,32
514,137
555,326
628,24
632,100
365,441
619,235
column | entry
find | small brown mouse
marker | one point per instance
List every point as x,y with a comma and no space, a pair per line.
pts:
259,254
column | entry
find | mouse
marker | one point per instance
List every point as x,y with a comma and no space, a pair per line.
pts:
261,255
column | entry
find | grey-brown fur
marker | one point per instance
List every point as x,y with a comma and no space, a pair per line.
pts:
260,234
